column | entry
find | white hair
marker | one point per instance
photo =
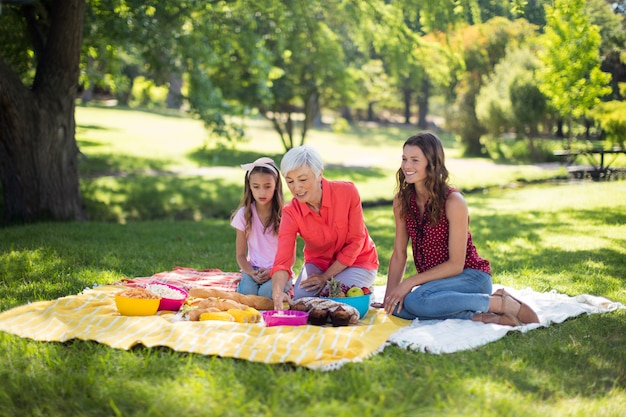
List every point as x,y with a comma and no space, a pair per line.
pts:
302,156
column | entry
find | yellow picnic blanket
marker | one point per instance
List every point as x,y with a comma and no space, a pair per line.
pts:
92,315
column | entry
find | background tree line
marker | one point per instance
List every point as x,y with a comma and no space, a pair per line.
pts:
527,68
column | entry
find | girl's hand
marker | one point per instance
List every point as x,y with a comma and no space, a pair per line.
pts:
314,282
262,275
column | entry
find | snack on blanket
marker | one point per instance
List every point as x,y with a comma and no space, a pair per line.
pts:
240,313
138,292
194,315
221,304
321,310
220,316
247,315
255,301
340,317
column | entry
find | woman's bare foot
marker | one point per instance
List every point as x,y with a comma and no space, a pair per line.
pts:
503,319
501,302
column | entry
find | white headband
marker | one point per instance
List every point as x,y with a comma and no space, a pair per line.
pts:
261,162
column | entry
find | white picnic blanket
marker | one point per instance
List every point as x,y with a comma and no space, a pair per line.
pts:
447,336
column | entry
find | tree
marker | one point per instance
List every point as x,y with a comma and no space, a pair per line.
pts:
570,76
483,46
38,152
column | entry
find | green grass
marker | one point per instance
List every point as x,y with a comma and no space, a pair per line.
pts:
569,237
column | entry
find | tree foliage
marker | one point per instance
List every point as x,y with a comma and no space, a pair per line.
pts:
288,60
570,76
483,46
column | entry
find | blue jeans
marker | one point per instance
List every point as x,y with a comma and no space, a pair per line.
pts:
350,276
249,286
457,297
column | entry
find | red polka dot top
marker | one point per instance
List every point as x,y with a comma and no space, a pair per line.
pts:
430,243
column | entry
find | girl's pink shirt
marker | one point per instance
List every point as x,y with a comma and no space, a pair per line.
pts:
337,233
262,243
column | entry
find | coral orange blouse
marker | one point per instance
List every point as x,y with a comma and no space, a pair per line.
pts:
338,232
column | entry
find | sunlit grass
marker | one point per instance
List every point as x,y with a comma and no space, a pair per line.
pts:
171,162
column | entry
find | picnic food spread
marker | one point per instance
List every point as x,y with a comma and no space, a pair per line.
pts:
213,304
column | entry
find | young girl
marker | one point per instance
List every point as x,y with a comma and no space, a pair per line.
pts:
257,220
452,280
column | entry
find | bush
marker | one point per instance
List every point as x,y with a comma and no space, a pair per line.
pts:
611,117
146,93
510,149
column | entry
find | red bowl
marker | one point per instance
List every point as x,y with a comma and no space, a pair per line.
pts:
285,318
169,304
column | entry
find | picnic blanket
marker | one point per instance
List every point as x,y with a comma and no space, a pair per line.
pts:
92,315
448,336
187,278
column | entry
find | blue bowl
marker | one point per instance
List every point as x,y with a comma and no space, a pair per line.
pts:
361,303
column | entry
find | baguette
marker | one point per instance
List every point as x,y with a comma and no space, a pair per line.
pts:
255,301
221,304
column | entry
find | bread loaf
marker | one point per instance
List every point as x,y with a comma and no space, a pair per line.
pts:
256,301
221,304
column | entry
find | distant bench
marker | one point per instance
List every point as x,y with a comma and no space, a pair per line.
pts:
598,166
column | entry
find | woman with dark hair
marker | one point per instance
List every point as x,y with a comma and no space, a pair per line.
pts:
452,280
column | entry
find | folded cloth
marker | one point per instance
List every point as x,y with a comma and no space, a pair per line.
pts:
187,278
92,315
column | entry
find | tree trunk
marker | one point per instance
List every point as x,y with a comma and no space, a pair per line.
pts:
422,104
174,98
370,111
38,152
406,99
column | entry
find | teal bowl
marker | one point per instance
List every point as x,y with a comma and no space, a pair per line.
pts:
361,303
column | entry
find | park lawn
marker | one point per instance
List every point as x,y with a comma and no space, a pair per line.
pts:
569,237
132,156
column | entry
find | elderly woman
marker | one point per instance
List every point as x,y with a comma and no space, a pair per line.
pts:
329,218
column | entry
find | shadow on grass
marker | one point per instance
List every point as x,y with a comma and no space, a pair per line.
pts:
223,156
141,197
118,165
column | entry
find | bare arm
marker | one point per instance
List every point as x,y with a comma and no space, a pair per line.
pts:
397,262
279,280
241,249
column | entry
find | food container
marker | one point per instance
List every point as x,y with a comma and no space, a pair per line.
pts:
285,318
361,303
128,306
172,297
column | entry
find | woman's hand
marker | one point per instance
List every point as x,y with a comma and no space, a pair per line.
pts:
395,298
280,299
314,282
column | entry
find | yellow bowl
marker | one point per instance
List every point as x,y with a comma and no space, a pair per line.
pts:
137,306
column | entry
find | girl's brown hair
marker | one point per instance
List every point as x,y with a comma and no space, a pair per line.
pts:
436,178
277,200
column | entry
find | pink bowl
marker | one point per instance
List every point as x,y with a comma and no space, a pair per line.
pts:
171,304
285,318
